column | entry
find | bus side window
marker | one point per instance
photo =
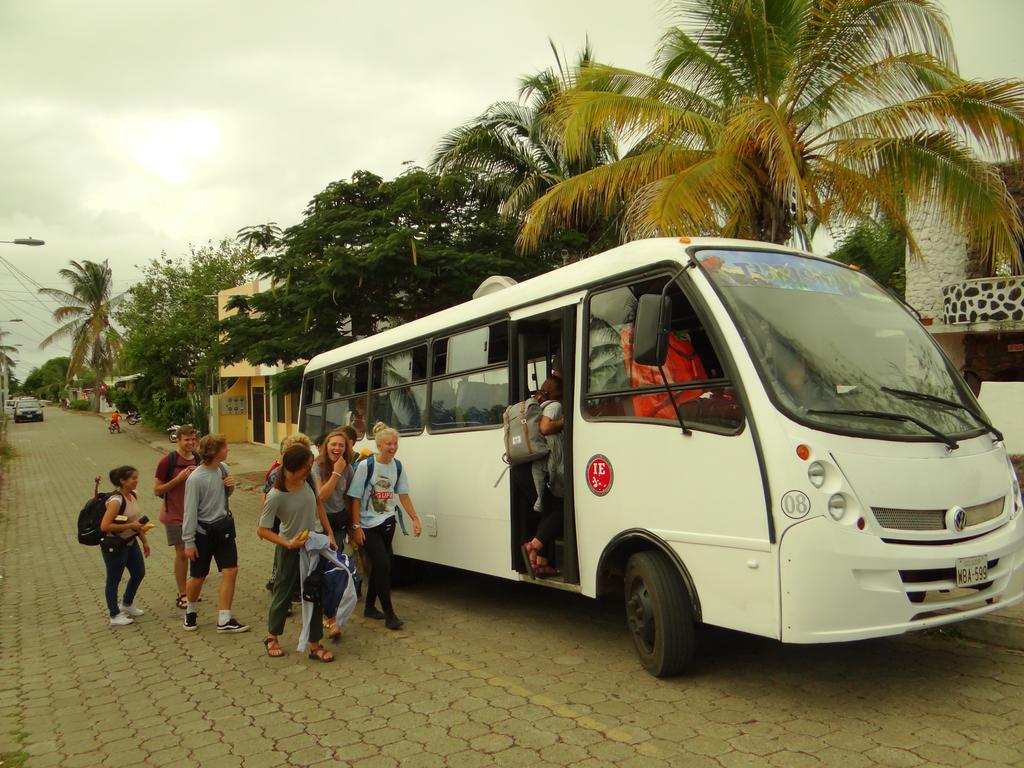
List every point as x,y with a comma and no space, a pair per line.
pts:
618,388
469,387
312,404
346,399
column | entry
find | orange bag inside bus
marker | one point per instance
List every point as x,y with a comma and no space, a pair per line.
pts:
682,364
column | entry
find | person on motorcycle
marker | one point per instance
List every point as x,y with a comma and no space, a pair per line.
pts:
115,421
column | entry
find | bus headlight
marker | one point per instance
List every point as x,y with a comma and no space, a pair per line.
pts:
837,506
816,474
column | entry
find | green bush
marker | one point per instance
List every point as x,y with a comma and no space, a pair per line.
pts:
80,405
124,399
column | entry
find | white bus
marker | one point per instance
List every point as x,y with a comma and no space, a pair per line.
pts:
824,475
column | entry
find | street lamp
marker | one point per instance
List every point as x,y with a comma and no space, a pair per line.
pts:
24,241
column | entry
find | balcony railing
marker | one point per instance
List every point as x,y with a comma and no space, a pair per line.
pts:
984,300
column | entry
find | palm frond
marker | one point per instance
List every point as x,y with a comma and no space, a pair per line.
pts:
600,191
892,79
990,112
681,59
937,170
848,35
690,201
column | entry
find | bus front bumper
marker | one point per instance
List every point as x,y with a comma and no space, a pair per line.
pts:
839,584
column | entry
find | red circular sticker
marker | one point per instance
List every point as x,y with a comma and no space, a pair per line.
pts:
599,475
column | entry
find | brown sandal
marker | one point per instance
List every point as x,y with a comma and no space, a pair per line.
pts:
321,654
274,649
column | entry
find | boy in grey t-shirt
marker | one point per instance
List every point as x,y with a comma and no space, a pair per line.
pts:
208,532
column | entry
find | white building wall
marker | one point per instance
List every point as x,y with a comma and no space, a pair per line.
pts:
943,260
1002,402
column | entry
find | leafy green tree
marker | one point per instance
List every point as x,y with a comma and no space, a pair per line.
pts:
371,252
765,117
171,333
48,380
516,154
879,249
85,318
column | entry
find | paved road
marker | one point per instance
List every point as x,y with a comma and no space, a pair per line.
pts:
486,672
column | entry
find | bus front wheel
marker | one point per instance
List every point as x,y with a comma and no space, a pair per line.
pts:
659,615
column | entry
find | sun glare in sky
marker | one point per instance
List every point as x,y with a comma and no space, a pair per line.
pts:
170,147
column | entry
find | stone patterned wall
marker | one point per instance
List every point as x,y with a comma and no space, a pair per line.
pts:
992,299
944,261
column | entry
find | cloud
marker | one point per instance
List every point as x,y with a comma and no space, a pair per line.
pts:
132,128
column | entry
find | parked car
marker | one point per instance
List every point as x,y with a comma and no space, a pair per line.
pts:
9,408
27,409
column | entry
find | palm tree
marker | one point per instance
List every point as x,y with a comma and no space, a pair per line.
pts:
765,118
6,350
260,237
512,147
85,319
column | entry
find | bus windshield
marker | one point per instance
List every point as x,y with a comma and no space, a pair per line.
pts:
837,352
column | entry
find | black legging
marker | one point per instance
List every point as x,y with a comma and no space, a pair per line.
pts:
378,549
551,525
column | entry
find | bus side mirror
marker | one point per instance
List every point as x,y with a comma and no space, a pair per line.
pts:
650,329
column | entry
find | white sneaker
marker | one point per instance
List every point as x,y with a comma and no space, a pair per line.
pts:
131,610
121,620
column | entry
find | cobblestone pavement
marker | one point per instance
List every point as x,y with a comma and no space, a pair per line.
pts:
485,673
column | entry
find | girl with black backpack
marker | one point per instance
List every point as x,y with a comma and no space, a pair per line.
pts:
124,546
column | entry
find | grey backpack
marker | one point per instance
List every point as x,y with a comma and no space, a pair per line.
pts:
523,441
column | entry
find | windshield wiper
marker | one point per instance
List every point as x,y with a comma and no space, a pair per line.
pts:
946,439
923,396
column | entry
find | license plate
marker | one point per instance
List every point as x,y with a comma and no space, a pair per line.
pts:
971,570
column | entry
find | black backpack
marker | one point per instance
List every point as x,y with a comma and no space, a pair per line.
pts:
172,462
91,516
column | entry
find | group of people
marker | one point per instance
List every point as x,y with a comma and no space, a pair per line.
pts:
313,508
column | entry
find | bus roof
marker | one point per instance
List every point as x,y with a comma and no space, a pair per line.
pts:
625,258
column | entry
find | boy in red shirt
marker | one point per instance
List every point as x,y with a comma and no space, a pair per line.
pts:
171,474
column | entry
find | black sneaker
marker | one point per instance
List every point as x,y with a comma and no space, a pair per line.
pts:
191,622
371,612
270,586
232,625
393,622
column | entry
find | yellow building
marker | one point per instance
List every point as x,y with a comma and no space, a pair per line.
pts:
248,410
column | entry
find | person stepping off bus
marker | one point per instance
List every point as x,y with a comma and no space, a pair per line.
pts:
377,486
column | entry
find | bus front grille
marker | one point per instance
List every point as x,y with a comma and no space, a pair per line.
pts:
934,519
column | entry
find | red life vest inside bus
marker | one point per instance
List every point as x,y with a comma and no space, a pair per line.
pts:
682,364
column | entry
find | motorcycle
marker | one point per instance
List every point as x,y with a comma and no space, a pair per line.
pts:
172,432
113,427
133,417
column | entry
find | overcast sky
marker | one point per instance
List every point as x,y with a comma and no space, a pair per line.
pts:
131,128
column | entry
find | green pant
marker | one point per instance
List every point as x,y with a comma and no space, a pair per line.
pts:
286,565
